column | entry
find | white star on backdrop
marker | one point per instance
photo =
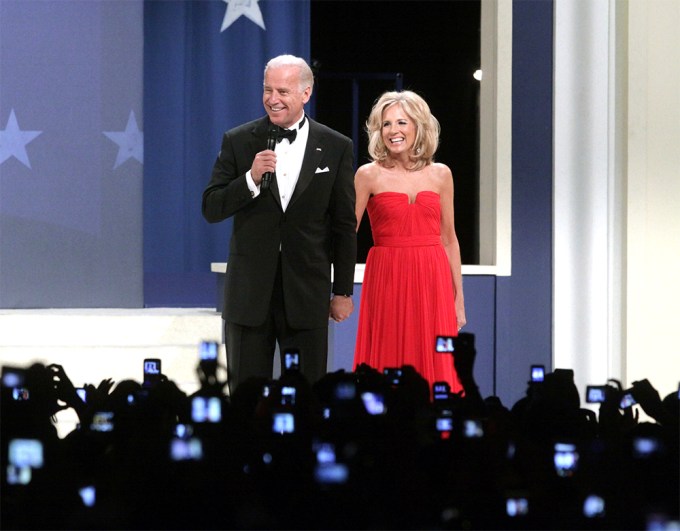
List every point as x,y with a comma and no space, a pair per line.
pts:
130,142
238,8
13,141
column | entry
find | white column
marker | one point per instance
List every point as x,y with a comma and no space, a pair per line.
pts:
587,188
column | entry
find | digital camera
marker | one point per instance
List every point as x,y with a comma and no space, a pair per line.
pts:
565,459
473,429
595,394
206,409
537,373
444,344
13,377
102,422
516,506
374,403
283,423
627,399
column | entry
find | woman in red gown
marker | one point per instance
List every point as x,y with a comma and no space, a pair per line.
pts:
412,289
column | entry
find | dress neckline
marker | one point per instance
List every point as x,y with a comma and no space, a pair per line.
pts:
408,197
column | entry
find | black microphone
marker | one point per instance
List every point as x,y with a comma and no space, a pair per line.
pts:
271,144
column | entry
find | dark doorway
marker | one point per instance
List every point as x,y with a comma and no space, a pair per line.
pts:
435,47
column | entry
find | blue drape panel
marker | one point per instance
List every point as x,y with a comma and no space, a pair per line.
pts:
71,154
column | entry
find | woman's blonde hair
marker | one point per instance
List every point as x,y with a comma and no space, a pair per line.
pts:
427,127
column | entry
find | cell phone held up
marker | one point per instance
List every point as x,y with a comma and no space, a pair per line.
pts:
208,358
627,399
291,360
444,344
152,372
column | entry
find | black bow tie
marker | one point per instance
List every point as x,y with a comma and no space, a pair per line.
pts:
290,134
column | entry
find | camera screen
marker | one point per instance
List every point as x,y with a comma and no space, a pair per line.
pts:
645,446
627,400
595,394
331,473
186,449
12,377
283,423
444,344
537,373
88,495
82,393
102,421
183,431
208,351
593,506
287,396
444,424
516,506
473,428
345,391
291,360
26,453
18,475
206,409
374,403
20,394
152,371
565,459
325,452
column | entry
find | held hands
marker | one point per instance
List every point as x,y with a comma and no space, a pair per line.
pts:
265,161
341,308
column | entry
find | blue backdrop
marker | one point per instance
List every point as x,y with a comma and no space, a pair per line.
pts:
71,154
203,67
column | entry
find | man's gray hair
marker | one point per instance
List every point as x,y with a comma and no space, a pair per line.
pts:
306,75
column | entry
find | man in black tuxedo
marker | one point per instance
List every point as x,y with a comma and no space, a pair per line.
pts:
287,230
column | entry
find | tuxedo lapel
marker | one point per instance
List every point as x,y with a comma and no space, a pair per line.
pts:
313,155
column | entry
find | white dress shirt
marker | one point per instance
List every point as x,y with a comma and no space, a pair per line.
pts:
288,164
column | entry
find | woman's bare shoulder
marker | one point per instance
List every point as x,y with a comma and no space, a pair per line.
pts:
368,172
441,171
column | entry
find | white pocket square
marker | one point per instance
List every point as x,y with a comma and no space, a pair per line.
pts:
322,170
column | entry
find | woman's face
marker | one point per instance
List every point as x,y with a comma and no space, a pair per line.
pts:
398,130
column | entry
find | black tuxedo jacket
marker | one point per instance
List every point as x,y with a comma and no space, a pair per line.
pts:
317,229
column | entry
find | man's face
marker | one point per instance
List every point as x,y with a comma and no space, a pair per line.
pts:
282,98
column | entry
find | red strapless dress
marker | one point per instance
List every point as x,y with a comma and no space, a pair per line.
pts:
407,296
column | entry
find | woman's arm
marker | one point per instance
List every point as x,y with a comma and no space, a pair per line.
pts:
363,184
449,238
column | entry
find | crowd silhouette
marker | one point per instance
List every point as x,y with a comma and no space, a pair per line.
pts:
354,450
